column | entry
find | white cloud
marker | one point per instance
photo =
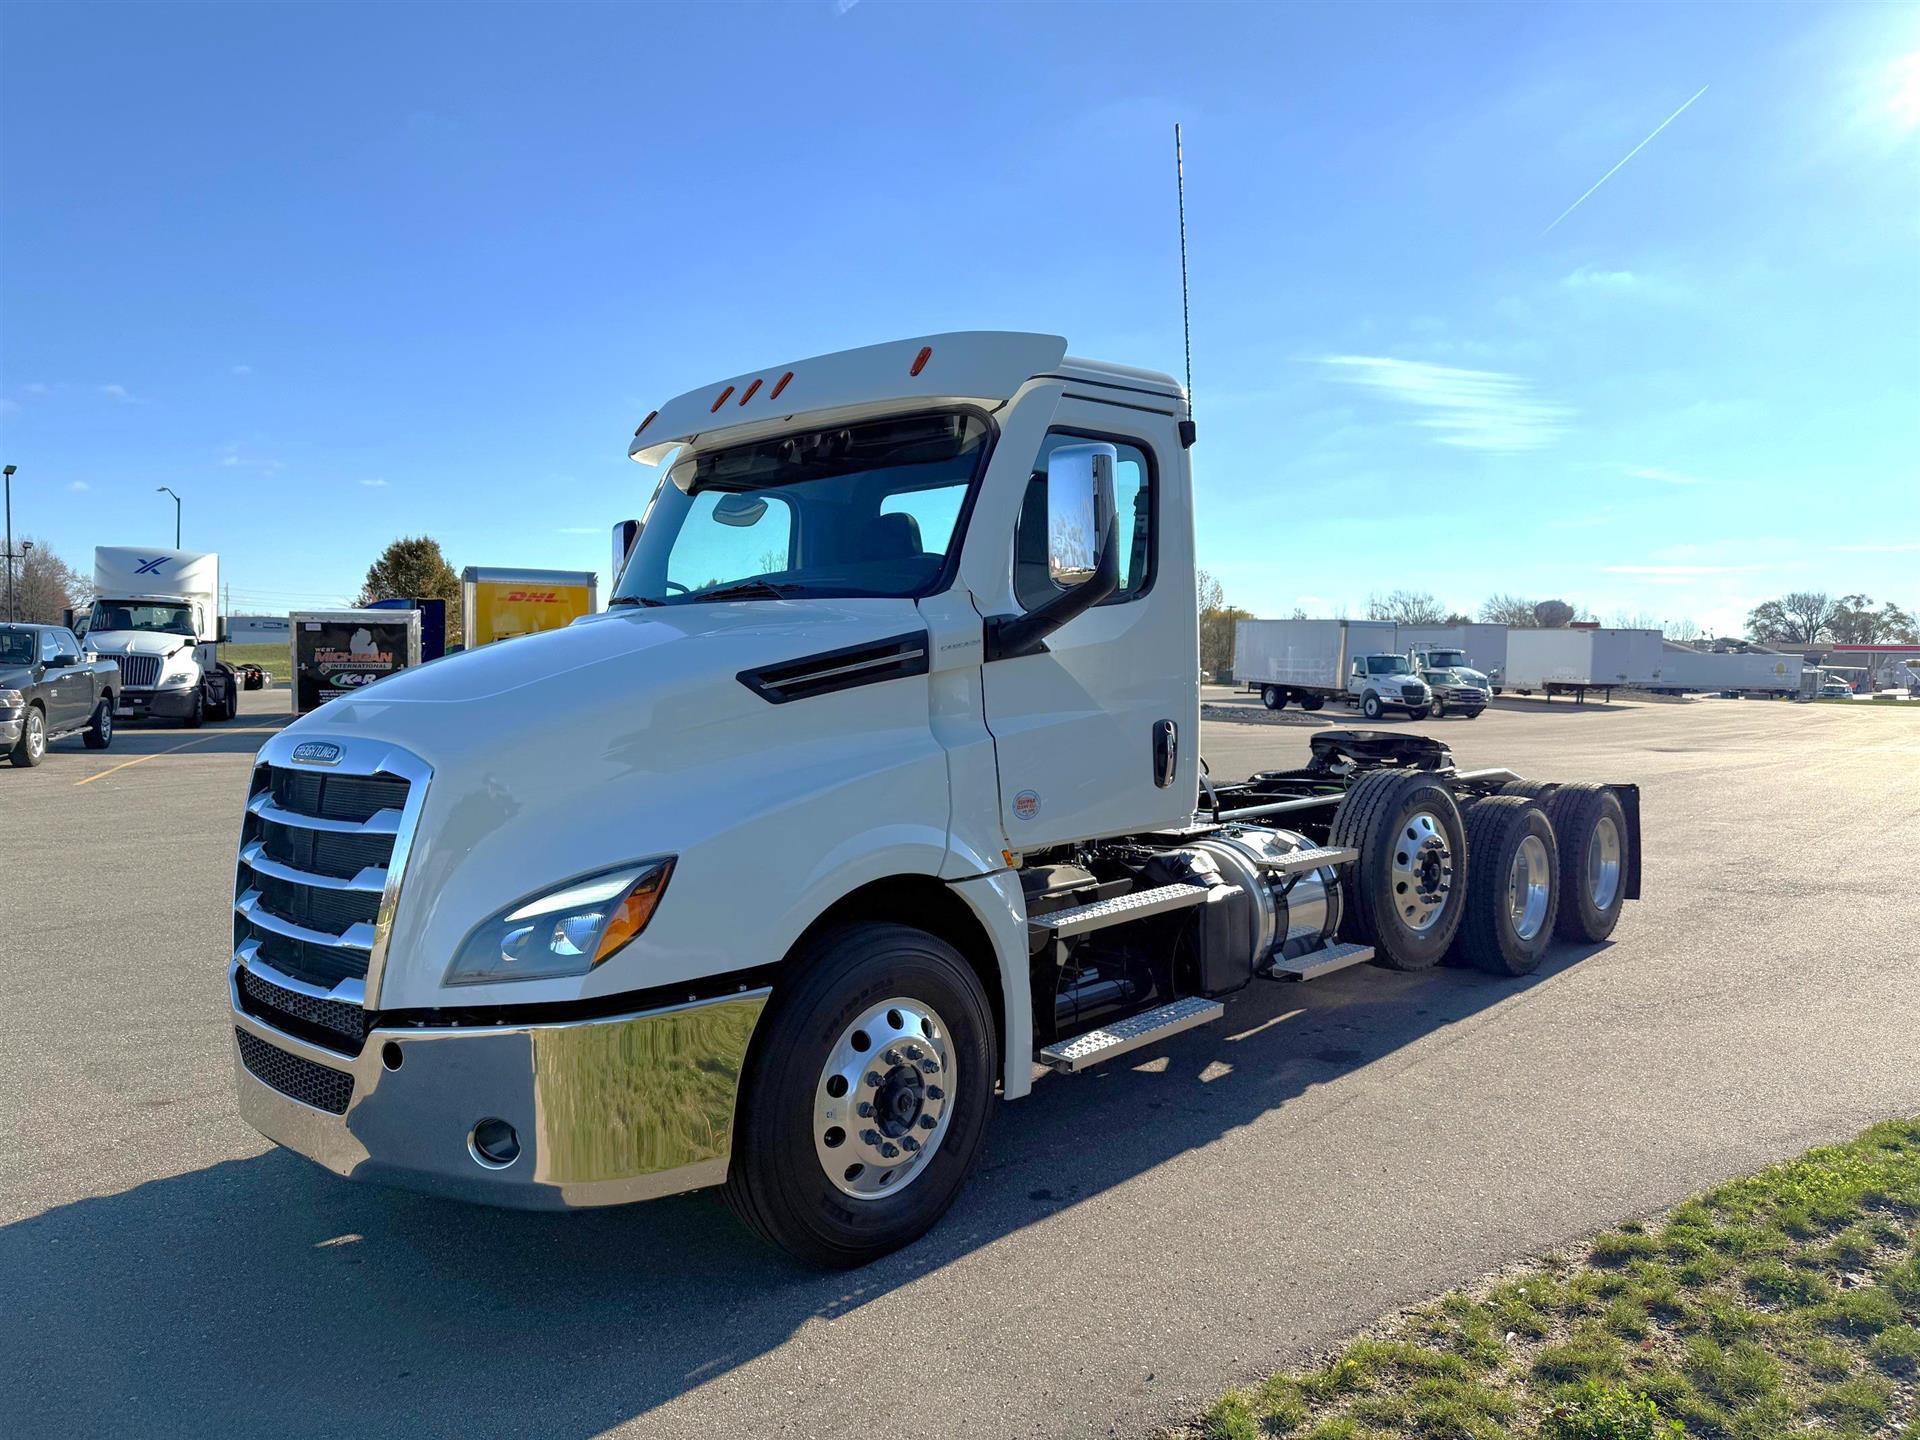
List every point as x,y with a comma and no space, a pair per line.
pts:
39,388
243,370
374,484
1671,573
1475,409
1892,547
121,395
79,487
1665,477
1588,278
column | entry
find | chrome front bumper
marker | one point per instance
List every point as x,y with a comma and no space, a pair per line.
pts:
607,1111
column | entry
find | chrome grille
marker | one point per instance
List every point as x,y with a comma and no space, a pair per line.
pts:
138,671
316,852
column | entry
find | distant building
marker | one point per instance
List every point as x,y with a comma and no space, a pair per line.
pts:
256,629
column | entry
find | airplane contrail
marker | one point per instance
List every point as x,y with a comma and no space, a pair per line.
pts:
1623,160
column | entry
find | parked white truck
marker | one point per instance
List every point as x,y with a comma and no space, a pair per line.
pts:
1313,661
1482,645
155,613
876,788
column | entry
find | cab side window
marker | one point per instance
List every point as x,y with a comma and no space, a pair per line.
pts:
47,648
65,644
1133,502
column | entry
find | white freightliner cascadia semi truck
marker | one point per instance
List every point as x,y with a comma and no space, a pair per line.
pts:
155,613
876,790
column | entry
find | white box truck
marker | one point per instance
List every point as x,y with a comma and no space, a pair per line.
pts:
1356,662
1480,645
876,788
155,613
1575,660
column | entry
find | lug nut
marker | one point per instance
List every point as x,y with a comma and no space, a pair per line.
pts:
932,1067
869,1137
909,1144
927,1122
913,1052
934,1092
892,1057
891,1152
865,1109
873,1078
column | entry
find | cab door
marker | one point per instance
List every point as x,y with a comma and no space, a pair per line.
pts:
1099,733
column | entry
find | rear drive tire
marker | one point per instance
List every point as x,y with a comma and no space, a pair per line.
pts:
1590,830
1512,889
99,734
1274,698
1370,706
914,1002
1312,702
1405,893
31,748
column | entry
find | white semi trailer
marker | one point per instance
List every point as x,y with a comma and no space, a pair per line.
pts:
155,613
876,787
1578,659
1685,671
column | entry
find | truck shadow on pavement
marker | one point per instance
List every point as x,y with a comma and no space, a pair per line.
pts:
265,1294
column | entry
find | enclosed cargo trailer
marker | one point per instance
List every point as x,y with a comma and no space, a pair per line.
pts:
498,604
1685,670
341,652
1573,661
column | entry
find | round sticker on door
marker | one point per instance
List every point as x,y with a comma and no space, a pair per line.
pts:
1026,805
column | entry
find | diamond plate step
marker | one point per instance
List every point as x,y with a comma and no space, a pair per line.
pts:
1303,860
1316,963
1069,1056
1136,905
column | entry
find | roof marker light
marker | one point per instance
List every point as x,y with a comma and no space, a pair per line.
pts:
720,400
920,360
651,415
750,389
779,385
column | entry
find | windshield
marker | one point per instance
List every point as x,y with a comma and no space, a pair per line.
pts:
159,619
1388,665
1446,659
17,647
868,509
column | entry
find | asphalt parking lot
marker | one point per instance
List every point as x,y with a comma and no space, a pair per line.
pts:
1139,1238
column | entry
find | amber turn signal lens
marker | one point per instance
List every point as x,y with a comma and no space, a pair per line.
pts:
634,910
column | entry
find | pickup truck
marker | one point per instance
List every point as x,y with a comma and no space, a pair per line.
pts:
49,689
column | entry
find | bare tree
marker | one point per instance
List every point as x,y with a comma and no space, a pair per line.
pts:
1510,610
1684,631
1208,591
1406,607
44,585
1803,617
1634,620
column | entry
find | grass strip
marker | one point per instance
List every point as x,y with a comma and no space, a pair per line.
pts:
1784,1303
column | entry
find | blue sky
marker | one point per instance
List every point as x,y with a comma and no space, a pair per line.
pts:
340,273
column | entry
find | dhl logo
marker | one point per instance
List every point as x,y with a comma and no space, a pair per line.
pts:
534,597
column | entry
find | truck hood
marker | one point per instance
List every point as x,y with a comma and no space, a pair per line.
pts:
607,680
135,642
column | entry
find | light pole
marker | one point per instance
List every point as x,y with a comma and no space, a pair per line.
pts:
176,512
9,474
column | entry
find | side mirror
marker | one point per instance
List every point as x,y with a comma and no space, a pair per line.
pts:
626,534
1083,549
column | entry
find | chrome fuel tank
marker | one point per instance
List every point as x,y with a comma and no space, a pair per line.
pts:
1290,915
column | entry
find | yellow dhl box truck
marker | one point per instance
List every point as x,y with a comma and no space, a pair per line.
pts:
498,604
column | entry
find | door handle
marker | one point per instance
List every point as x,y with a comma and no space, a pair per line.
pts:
1166,752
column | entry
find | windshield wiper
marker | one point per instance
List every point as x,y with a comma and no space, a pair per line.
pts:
632,600
747,590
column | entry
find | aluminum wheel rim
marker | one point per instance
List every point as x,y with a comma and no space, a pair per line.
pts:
881,1104
1603,864
1422,872
1529,887
36,735
106,724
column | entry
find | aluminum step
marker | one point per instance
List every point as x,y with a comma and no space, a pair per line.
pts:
1135,905
1316,963
1069,1056
1303,860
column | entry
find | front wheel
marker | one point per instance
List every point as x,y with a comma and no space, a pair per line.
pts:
866,1098
99,734
1370,706
197,713
1439,711
31,748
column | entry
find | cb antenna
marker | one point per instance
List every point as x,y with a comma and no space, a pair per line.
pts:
1186,309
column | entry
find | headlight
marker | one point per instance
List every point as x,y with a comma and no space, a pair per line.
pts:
563,932
177,682
11,698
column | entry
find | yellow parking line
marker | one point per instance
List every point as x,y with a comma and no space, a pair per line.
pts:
183,745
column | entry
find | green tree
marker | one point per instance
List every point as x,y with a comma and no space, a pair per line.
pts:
412,568
1217,620
1802,617
1857,621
